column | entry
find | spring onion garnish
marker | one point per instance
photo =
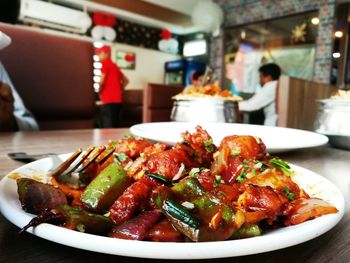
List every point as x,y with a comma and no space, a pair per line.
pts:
160,178
251,174
266,171
218,180
290,195
80,228
258,165
236,151
242,175
120,157
282,165
209,146
181,213
130,136
194,172
186,142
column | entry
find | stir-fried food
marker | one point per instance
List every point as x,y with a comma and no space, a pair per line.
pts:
341,95
208,90
193,191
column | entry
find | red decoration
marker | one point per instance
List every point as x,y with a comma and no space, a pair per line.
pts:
101,19
129,57
165,34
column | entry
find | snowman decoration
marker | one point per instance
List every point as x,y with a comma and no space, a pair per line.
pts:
103,28
167,43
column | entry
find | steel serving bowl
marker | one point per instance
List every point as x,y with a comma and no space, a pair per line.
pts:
333,120
205,109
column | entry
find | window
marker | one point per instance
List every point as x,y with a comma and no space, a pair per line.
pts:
288,41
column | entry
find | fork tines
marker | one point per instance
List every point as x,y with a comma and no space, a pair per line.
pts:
75,164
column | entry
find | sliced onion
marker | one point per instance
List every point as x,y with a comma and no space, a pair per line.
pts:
179,173
306,209
128,165
135,165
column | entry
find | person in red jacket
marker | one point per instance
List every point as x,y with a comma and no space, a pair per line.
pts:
112,83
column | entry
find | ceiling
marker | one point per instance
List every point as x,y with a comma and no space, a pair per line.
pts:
182,6
174,15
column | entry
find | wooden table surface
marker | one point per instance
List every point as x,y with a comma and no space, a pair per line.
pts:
333,246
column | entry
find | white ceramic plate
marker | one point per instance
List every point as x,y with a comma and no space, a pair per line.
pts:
276,139
314,184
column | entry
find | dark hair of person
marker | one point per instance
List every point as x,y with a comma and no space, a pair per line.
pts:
271,69
232,59
197,74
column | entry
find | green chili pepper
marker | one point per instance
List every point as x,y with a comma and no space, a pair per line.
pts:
108,185
215,216
210,219
84,221
207,205
160,196
188,188
74,218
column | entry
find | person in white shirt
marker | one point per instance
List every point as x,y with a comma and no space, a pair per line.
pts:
265,98
13,114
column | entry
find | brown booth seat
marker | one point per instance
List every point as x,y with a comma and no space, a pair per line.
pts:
157,102
53,75
297,101
131,112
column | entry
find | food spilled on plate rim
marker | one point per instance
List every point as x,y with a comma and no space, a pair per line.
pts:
191,192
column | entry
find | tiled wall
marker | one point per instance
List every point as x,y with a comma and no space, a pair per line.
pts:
246,11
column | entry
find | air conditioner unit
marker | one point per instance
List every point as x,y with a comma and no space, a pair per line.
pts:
54,16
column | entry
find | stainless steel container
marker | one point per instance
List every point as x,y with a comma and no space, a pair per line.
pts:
333,120
205,110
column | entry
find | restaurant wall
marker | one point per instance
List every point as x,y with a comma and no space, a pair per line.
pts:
149,65
238,12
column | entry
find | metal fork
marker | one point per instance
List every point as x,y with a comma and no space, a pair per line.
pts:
72,171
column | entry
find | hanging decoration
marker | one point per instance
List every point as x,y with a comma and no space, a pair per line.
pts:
103,28
208,16
167,43
299,33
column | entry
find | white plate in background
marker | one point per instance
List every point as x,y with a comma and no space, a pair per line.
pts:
312,183
276,139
